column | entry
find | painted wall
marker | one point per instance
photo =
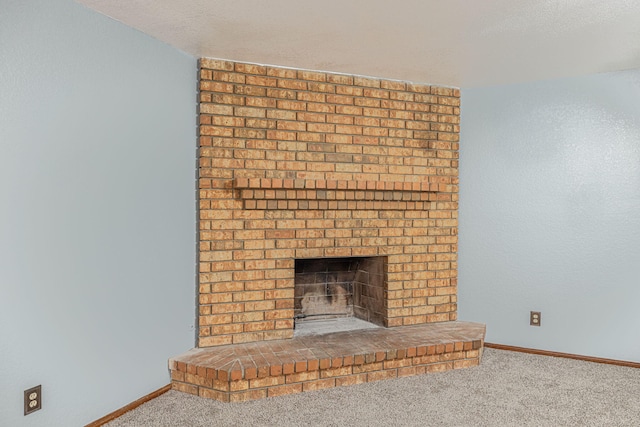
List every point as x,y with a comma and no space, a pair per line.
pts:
97,214
550,213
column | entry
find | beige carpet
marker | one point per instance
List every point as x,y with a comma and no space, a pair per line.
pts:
507,389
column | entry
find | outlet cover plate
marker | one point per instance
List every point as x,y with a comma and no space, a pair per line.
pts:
32,399
535,318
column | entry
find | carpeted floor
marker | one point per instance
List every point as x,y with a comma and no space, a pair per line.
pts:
507,389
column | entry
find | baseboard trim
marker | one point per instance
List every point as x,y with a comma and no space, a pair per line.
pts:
564,355
115,414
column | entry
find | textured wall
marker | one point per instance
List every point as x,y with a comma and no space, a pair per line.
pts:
97,223
299,164
550,213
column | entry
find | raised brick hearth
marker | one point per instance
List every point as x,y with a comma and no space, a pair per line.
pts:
299,165
242,372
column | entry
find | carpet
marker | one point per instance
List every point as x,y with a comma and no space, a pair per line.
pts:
507,389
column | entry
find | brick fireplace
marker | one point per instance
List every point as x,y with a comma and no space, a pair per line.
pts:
299,170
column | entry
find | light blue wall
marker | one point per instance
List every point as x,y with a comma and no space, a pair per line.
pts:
550,213
97,214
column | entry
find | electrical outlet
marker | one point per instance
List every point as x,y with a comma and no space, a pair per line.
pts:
32,399
535,318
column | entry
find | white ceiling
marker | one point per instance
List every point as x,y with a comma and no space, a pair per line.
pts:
464,43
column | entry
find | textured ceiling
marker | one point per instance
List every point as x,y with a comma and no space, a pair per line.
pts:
464,43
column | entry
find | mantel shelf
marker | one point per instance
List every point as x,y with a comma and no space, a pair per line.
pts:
292,194
311,184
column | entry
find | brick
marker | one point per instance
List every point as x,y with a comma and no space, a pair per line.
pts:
215,341
401,363
376,93
340,79
368,102
312,117
282,72
247,317
292,84
291,105
393,85
248,395
227,121
216,64
216,131
267,382
250,90
177,376
340,99
375,112
281,93
401,96
250,112
259,102
336,372
284,115
320,107
312,75
369,367
283,390
222,76
382,375
311,97
321,87
439,367
366,81
286,125
260,81
185,388
216,86
349,90
301,376
418,88
216,109
259,326
250,68
320,127
351,380
319,384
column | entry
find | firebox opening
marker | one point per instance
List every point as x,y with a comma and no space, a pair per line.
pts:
334,294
